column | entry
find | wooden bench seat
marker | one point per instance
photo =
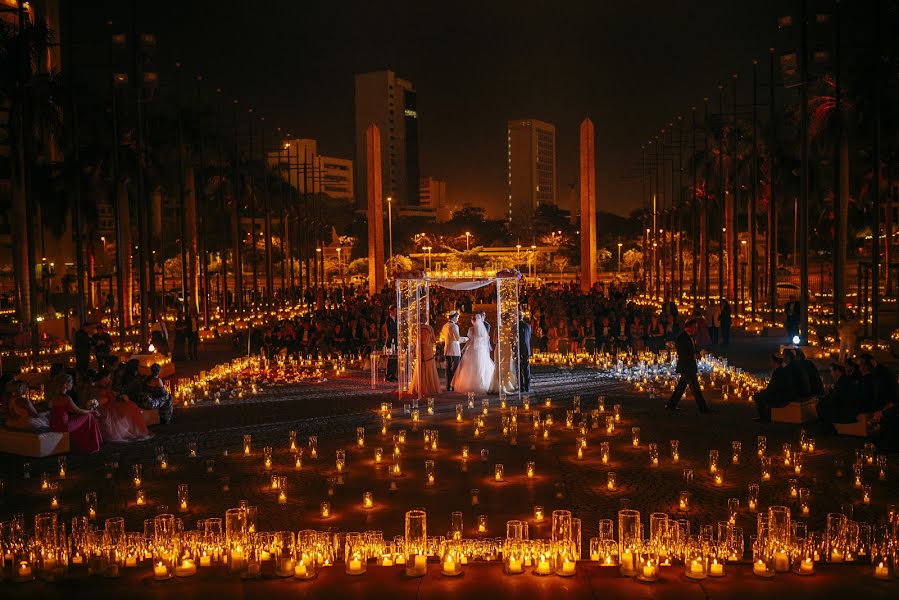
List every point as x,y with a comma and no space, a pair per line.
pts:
857,429
797,413
35,444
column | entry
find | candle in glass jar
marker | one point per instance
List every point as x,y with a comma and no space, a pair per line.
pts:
24,570
806,566
567,567
881,571
160,571
649,571
781,561
696,567
300,570
514,565
759,567
543,566
131,560
836,556
449,565
367,500
716,569
205,560
186,568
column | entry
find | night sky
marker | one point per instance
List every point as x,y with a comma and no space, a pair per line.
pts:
631,66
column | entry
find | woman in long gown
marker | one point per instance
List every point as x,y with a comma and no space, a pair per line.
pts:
475,373
21,412
425,373
82,426
120,419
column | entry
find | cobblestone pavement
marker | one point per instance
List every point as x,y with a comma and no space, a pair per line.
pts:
334,409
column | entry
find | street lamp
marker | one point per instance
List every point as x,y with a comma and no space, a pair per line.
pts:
340,264
390,228
534,258
619,258
517,255
467,235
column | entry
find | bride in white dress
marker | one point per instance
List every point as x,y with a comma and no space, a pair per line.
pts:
475,373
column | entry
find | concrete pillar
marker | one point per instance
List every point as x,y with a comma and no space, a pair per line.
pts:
588,206
375,209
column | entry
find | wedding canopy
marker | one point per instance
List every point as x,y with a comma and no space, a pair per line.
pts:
413,311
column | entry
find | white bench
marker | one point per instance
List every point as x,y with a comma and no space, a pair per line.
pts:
796,412
35,444
151,417
857,429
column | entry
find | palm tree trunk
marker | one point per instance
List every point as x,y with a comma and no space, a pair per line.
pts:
21,233
190,223
844,210
123,249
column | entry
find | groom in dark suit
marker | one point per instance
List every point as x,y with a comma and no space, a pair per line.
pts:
524,354
687,369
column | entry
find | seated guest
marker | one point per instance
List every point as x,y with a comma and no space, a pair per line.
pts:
778,392
120,418
885,378
798,376
65,416
156,396
21,413
887,423
838,405
130,382
872,396
816,386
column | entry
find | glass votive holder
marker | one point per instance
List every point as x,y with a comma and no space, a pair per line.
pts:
355,554
140,498
368,500
282,489
565,558
183,497
608,553
543,559
324,510
313,446
539,514
683,502
451,559
340,460
653,455
611,480
416,543
695,566
736,449
604,452
498,472
713,461
54,495
482,523
675,451
360,437
765,462
531,469
648,563
761,444
137,474
247,444
717,559
62,464
635,436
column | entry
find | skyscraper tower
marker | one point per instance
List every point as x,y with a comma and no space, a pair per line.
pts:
390,103
531,165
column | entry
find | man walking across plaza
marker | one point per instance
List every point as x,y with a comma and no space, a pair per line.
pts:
687,368
390,336
452,347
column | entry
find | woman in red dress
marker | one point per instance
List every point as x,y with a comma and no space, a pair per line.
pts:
82,425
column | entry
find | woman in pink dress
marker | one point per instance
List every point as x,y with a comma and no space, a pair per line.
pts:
121,419
82,426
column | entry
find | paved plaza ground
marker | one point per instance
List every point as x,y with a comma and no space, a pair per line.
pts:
334,409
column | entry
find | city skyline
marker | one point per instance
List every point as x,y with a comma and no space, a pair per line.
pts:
468,78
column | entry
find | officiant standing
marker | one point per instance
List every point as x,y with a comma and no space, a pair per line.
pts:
452,348
524,354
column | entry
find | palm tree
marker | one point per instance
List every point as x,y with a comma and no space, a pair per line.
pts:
30,97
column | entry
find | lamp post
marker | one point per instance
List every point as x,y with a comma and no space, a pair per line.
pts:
467,235
534,258
390,228
428,258
517,255
619,258
340,264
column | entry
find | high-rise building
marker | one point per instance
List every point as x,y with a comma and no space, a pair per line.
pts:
389,102
432,193
531,171
328,175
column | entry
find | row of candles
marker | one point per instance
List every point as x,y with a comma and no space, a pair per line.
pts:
780,545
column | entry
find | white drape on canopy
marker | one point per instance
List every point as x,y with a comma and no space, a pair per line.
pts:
462,285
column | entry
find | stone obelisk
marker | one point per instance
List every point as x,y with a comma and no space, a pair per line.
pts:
375,209
588,206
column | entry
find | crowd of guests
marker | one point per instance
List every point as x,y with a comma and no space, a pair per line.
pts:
860,386
94,407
